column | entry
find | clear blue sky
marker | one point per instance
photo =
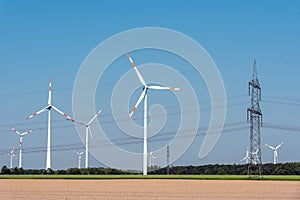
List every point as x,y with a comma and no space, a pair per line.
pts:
40,40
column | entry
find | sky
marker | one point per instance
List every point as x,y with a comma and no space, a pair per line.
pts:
42,40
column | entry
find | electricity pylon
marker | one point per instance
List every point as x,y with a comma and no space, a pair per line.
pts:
254,117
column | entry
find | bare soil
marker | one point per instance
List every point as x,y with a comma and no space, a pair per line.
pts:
147,189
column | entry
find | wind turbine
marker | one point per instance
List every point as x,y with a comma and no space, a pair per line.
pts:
247,157
152,159
49,108
145,97
275,151
87,129
79,157
12,155
255,160
21,143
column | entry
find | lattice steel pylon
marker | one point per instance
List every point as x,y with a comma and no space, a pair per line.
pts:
254,117
168,159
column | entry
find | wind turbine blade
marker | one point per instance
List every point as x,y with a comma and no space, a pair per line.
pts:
14,130
37,113
78,122
27,132
136,71
90,131
94,117
244,158
255,153
270,147
138,102
157,87
63,114
278,146
12,151
49,92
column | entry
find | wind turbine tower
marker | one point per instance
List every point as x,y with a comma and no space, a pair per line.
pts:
254,117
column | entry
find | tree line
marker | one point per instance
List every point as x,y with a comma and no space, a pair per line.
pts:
73,171
268,169
216,169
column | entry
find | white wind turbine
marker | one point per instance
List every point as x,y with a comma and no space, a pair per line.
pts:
152,159
12,155
145,97
21,143
48,108
87,129
79,157
255,159
275,161
247,157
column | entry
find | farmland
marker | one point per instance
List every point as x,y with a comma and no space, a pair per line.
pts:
183,177
134,187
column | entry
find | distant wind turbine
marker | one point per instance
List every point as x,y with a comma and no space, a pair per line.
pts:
247,157
12,155
79,157
152,159
87,129
255,159
21,143
275,157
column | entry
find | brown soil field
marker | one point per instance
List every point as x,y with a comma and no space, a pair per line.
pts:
147,189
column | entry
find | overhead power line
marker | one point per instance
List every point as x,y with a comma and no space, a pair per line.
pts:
165,136
134,140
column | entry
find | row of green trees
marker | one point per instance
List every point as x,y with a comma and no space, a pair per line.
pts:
268,169
74,171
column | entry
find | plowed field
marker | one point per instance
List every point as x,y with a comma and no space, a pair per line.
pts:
147,189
